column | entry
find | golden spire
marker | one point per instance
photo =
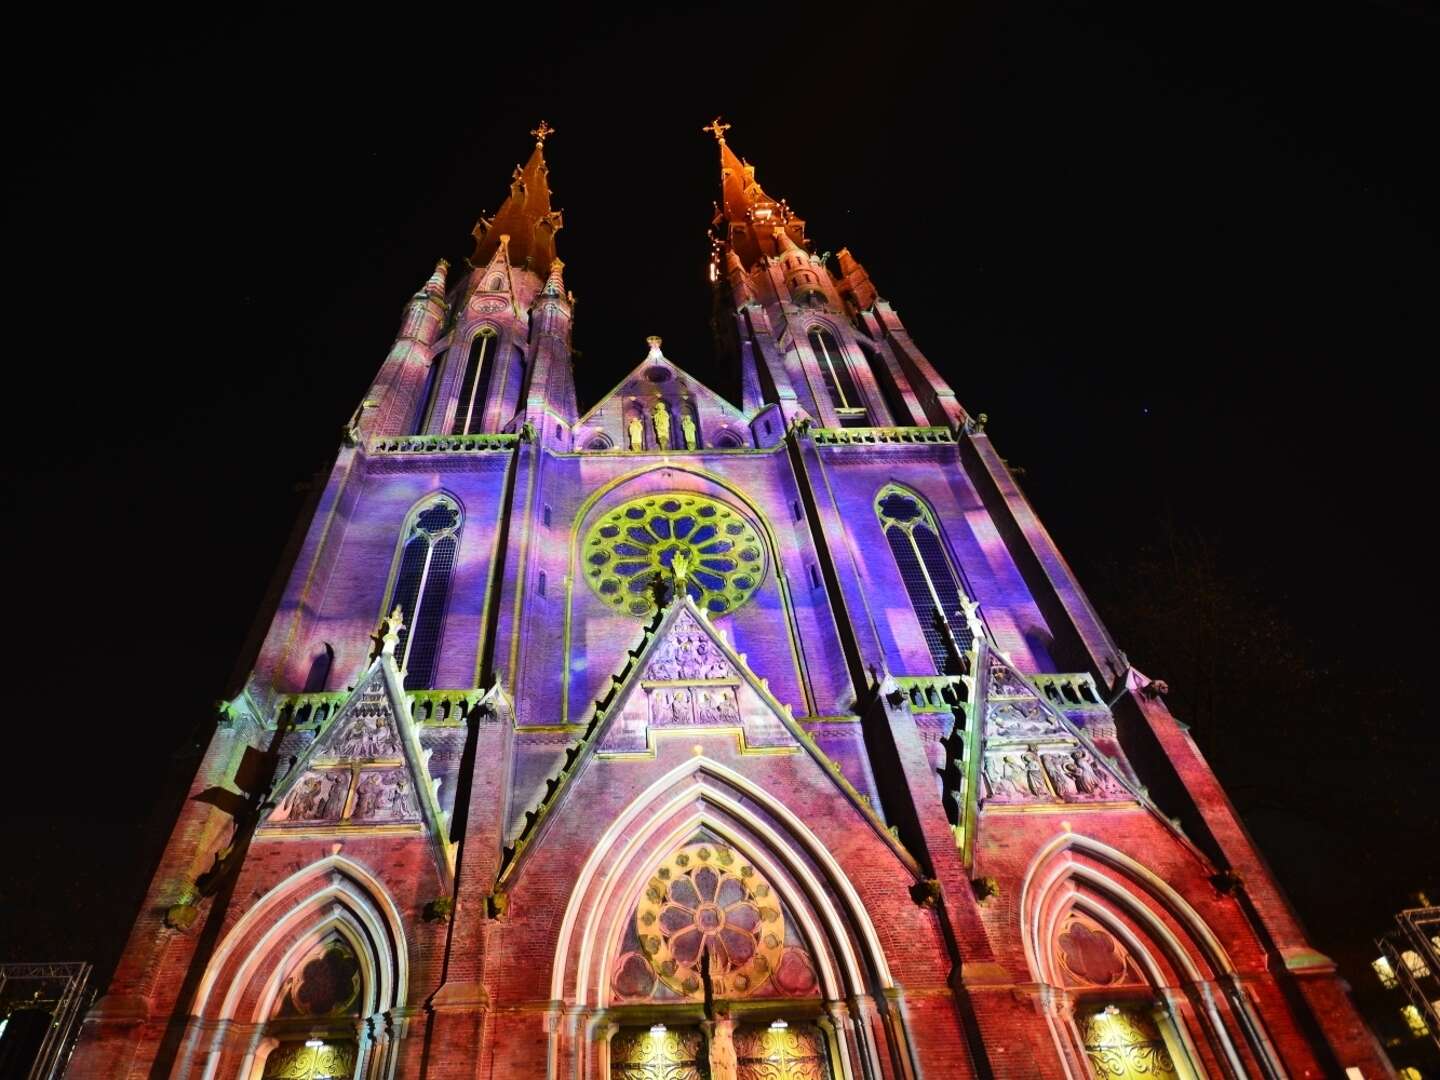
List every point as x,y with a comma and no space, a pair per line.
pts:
542,132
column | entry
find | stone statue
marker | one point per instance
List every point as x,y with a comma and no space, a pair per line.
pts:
637,434
1035,775
687,426
662,426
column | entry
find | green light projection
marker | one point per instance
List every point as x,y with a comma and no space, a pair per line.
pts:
722,560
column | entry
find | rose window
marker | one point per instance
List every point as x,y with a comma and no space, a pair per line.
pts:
637,544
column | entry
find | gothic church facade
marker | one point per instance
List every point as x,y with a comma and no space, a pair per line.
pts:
682,737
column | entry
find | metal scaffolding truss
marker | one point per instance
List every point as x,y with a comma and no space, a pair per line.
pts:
63,990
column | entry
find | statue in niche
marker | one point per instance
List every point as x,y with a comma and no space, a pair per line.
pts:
659,703
1087,778
707,708
1035,775
1055,765
384,795
1000,776
1003,683
637,433
319,796
662,426
729,712
680,707
687,428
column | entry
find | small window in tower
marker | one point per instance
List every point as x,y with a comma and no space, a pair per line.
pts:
795,507
814,577
540,584
547,517
470,406
839,383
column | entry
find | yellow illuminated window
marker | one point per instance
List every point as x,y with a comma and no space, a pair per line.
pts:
1415,1021
1417,966
1385,973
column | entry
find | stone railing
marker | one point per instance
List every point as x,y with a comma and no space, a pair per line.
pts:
432,708
443,708
442,444
308,710
874,436
1070,691
933,693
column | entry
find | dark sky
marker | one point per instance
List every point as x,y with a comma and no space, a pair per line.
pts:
1184,257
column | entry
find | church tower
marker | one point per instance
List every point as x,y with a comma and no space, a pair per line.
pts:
688,738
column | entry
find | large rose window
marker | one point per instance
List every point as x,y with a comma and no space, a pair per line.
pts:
706,913
638,543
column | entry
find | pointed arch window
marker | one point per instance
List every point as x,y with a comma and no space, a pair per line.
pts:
422,586
839,383
427,393
470,406
930,581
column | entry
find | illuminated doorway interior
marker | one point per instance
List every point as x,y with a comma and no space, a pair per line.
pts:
1124,1041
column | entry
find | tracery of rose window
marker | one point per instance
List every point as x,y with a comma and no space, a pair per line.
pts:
632,546
707,901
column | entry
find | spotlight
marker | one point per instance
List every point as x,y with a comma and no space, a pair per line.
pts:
778,1025
314,1044
657,1029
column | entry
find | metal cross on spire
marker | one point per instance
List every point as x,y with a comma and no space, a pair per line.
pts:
716,128
541,132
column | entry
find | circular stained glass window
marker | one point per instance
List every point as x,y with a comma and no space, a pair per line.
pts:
635,545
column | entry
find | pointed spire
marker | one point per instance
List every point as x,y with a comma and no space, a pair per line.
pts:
784,245
748,218
436,285
555,284
525,216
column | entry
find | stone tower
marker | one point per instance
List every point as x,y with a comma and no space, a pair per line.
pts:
682,737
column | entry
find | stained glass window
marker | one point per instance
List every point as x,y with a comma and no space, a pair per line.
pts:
422,585
930,582
470,407
630,550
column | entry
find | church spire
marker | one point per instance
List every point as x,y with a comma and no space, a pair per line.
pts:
525,216
748,220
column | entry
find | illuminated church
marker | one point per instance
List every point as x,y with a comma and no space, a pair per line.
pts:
682,737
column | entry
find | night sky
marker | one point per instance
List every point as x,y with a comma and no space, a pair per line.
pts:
1184,258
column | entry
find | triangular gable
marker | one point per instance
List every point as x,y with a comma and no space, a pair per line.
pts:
684,653
659,379
1033,753
687,677
365,770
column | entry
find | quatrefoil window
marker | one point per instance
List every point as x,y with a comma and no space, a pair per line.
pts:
635,545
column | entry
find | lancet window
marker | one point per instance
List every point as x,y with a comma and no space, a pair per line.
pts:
839,383
930,581
422,586
470,406
315,1015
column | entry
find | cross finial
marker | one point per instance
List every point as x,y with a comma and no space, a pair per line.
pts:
716,128
542,132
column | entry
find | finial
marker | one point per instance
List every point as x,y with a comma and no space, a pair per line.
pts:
390,628
680,567
716,128
654,343
542,132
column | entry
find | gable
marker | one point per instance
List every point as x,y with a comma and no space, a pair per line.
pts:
688,681
665,408
685,678
1032,753
364,772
